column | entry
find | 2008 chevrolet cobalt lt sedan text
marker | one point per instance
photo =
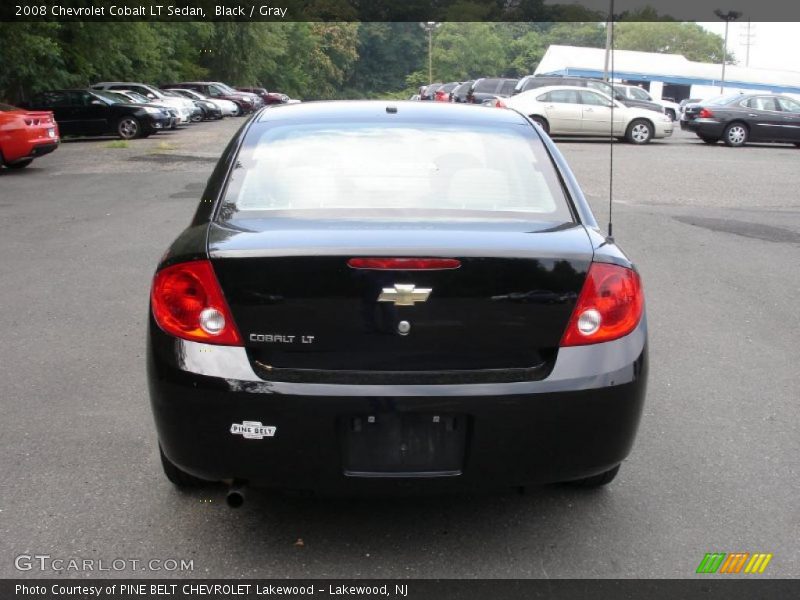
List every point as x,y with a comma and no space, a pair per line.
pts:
399,296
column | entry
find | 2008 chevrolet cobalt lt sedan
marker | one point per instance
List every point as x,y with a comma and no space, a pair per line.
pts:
399,296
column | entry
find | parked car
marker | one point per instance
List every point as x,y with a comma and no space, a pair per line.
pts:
451,318
459,93
429,91
737,119
184,106
245,101
582,111
632,92
199,111
443,93
685,104
532,82
226,107
489,87
93,112
268,97
25,135
130,97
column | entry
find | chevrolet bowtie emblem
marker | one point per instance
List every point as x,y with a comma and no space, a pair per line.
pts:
404,294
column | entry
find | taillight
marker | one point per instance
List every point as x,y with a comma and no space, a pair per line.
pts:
609,306
404,264
499,104
705,114
188,303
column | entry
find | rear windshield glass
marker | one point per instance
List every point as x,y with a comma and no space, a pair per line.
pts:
363,169
487,85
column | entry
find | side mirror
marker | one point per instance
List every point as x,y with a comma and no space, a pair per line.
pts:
97,103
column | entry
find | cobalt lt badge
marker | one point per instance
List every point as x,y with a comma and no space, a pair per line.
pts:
253,430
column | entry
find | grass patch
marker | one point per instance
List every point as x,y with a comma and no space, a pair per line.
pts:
117,144
165,147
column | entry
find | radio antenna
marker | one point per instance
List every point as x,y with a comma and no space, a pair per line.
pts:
610,36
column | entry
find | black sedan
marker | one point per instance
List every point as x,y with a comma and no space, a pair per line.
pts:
394,296
740,118
91,112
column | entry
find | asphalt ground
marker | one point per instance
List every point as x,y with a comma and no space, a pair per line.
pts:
715,232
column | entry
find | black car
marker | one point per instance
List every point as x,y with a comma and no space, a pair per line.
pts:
91,112
487,88
398,316
459,93
531,82
740,118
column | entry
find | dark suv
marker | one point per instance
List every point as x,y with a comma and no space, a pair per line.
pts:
530,82
487,88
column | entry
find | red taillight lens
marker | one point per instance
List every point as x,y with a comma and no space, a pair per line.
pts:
500,104
404,264
705,114
188,303
609,306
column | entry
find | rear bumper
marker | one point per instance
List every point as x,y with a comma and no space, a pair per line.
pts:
706,127
578,422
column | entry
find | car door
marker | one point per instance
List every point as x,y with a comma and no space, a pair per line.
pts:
94,113
790,110
596,114
563,111
763,116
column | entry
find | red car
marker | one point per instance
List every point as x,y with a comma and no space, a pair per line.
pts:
267,97
25,135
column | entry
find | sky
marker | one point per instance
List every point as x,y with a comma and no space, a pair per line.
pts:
773,45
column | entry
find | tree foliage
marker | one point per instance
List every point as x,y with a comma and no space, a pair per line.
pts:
312,60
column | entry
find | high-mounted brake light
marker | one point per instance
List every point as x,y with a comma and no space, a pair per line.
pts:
705,114
404,264
187,302
609,306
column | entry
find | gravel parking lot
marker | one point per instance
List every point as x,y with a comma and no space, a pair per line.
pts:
714,230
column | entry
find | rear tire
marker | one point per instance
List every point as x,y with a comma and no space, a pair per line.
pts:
129,128
20,165
735,135
541,122
639,132
596,480
179,478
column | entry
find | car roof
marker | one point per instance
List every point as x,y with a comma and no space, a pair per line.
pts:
125,83
377,110
547,88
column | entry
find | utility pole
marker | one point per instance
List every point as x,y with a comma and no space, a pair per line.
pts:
729,16
746,37
430,27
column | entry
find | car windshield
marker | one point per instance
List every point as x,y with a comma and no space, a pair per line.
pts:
226,88
137,97
405,168
639,93
122,98
218,90
109,97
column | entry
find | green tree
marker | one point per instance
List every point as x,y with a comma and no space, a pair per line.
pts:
688,39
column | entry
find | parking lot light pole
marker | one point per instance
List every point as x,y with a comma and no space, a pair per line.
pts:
430,26
729,16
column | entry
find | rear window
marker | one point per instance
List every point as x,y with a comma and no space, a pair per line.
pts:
409,168
487,85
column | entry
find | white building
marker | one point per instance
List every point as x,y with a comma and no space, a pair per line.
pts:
666,75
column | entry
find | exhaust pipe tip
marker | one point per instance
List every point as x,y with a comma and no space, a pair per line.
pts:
235,496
